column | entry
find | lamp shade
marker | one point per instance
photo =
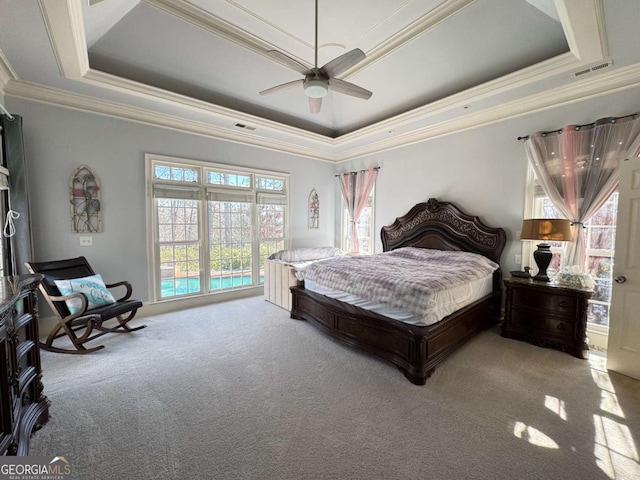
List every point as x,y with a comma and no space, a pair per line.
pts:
549,229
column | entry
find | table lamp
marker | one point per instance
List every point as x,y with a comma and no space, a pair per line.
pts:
545,229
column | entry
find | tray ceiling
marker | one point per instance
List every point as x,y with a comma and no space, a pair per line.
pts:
432,65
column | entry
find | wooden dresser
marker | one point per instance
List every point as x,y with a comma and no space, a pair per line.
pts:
23,407
547,315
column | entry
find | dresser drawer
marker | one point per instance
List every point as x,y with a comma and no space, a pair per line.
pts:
541,301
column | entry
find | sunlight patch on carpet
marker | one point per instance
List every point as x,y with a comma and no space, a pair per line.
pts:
533,436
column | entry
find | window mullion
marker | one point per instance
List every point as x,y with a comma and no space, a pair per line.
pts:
205,242
255,245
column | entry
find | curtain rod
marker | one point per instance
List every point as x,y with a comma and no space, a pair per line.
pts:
338,174
525,137
9,116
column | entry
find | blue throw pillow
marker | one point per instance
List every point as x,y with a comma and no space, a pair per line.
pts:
92,286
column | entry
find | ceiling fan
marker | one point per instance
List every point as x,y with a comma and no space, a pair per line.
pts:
318,81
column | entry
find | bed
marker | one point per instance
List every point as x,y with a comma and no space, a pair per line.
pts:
415,349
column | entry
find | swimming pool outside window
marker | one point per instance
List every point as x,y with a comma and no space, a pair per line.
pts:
212,226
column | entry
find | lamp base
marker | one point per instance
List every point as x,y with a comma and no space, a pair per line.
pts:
543,257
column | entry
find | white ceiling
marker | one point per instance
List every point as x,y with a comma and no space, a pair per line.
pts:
434,66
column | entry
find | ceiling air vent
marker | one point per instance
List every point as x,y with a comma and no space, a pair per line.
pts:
592,69
242,125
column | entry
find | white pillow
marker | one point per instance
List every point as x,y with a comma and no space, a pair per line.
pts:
93,287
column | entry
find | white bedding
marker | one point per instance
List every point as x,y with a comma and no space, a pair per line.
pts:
425,285
442,303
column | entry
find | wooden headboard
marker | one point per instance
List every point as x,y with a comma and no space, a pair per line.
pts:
443,226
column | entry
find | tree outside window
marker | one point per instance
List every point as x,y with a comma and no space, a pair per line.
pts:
600,233
207,215
365,225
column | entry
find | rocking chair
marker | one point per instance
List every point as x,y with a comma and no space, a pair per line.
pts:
86,319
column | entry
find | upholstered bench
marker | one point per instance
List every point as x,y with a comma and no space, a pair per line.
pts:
280,271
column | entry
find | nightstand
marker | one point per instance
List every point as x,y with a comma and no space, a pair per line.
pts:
547,315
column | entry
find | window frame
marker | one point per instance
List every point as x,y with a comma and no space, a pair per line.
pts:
204,240
533,205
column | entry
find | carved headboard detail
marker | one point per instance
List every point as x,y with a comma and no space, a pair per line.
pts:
443,226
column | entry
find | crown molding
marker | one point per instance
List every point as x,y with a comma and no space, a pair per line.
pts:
584,28
606,83
63,98
540,71
172,99
7,72
217,26
65,26
420,26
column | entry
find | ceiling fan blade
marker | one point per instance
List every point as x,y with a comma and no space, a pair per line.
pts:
342,63
315,104
290,62
340,86
284,86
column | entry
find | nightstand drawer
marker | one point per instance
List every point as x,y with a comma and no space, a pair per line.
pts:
558,304
536,325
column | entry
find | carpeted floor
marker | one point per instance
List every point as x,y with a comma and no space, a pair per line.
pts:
238,390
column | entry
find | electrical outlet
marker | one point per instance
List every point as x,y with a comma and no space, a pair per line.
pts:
86,241
517,259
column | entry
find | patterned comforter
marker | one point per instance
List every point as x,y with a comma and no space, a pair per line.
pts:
405,278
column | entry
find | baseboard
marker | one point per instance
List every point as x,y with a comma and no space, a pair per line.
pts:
598,337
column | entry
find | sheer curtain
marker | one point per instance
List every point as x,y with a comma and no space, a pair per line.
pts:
356,188
578,168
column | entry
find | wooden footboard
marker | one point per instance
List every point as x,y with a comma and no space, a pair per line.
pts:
415,350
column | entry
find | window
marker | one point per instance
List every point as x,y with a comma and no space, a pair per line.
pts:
599,233
365,226
206,215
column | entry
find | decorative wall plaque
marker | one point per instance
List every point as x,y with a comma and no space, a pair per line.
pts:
314,209
85,197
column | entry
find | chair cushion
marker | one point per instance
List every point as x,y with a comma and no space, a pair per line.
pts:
92,286
119,308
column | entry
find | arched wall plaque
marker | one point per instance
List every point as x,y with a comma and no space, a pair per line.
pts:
314,209
86,201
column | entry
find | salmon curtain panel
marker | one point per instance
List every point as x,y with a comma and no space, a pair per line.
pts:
579,168
356,188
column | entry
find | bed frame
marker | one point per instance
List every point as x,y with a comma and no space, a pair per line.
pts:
415,350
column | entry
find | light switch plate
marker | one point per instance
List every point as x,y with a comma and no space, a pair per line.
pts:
86,241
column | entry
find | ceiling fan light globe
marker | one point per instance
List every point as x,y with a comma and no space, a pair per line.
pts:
315,88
